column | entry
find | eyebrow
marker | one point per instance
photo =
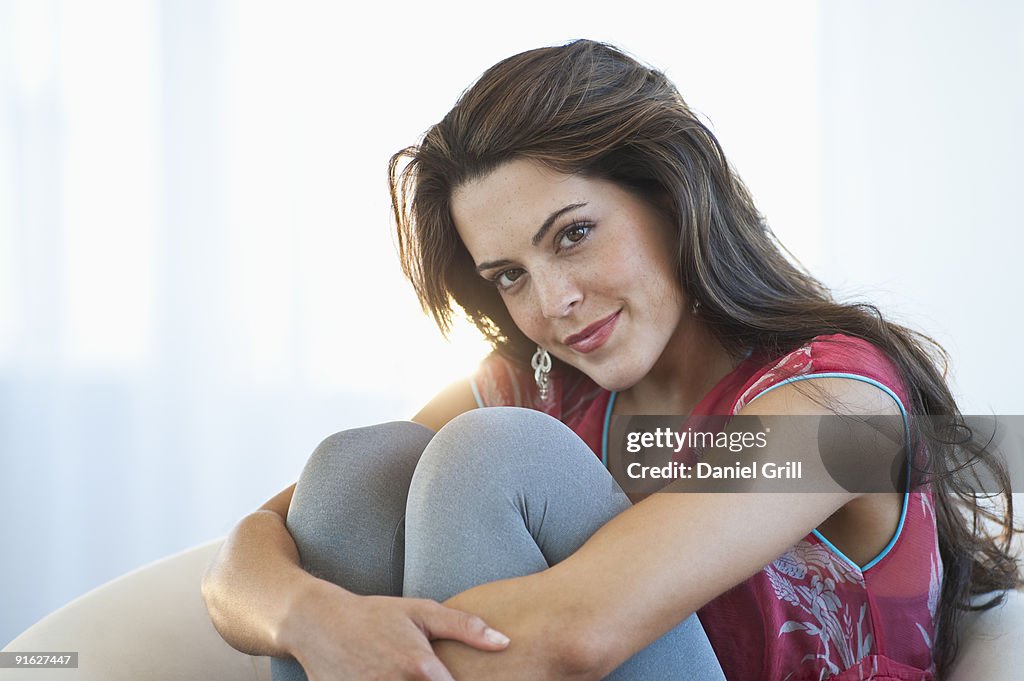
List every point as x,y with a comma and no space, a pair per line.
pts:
541,233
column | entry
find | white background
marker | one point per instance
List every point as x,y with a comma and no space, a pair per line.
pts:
197,277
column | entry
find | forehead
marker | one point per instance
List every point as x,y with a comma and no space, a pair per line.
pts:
515,197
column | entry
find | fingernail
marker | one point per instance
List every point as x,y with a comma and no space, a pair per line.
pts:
495,637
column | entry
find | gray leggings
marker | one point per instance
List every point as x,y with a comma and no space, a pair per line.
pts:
394,509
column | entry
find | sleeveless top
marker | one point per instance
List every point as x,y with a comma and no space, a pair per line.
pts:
812,613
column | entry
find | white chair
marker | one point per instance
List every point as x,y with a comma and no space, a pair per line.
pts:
148,624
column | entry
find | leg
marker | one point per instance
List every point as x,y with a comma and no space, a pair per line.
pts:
348,512
505,492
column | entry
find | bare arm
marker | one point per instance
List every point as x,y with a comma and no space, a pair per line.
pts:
446,405
263,603
256,582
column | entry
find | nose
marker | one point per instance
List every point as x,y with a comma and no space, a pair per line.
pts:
557,294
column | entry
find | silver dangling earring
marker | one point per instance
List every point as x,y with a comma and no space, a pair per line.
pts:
695,307
541,364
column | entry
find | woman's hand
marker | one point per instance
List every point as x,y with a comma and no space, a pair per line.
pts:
335,634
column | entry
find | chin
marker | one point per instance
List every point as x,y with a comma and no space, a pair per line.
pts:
616,380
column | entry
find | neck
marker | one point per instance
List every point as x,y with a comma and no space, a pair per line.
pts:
690,366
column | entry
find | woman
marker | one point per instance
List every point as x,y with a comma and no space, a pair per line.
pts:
590,226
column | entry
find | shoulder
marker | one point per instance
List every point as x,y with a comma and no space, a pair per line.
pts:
842,363
859,428
446,405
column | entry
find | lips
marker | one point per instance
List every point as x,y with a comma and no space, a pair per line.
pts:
593,336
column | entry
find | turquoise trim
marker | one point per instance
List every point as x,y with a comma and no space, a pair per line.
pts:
906,430
476,393
838,374
604,430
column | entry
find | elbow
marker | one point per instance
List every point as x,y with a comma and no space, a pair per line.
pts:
219,588
582,654
208,588
211,589
215,590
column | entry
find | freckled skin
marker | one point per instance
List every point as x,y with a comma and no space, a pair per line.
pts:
571,279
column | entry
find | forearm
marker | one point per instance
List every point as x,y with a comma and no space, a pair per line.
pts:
638,577
660,561
543,622
255,586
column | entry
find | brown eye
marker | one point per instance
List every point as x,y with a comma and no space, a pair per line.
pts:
507,278
573,235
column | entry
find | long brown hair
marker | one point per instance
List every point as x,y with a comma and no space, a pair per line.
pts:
587,108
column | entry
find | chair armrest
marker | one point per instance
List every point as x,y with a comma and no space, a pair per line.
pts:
148,624
992,647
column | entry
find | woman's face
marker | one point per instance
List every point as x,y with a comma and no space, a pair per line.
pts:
585,267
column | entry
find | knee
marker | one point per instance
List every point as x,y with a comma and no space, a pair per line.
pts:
366,447
489,441
369,440
352,463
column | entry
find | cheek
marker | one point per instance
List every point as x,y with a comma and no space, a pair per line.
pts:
659,285
638,269
525,315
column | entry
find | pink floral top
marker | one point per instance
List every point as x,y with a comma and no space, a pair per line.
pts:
812,613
